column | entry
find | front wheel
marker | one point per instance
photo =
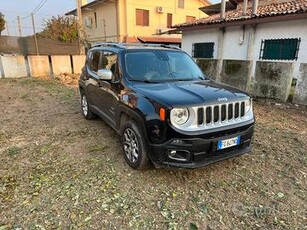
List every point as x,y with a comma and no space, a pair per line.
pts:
135,151
87,113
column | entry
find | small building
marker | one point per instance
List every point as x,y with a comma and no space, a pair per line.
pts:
269,31
137,20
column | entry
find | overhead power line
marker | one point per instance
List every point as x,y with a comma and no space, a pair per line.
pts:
37,8
40,5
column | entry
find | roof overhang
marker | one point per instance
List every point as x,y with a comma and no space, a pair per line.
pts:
248,21
87,6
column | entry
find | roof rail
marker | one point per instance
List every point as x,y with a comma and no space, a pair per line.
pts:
124,45
111,44
151,45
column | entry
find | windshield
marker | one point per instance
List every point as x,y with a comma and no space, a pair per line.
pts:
161,66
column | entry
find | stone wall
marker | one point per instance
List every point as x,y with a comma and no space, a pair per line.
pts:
300,95
236,73
78,63
15,66
209,67
39,66
273,80
61,64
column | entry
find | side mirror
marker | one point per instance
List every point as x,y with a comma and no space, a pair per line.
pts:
105,74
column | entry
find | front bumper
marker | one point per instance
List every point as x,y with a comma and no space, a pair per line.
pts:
201,150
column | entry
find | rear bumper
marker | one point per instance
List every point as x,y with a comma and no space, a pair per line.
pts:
197,152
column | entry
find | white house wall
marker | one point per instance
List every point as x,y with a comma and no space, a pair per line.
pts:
235,47
190,37
235,43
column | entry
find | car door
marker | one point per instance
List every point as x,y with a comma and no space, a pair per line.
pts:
108,89
92,85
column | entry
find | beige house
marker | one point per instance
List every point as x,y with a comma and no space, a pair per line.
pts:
137,20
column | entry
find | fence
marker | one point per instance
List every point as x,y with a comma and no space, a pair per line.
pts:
15,66
27,46
271,79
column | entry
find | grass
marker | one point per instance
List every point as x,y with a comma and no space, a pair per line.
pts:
13,150
59,170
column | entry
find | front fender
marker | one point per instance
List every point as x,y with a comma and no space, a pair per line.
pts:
146,113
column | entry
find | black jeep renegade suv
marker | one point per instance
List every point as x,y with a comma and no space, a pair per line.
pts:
164,108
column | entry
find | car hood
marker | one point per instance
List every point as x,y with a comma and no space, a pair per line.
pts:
189,92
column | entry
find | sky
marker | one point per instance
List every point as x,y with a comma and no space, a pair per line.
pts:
23,8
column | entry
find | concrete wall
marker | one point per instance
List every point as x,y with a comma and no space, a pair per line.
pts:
209,67
300,95
273,80
78,63
13,66
236,73
39,66
61,64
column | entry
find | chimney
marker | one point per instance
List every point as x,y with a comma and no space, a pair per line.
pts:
245,7
255,7
223,9
84,2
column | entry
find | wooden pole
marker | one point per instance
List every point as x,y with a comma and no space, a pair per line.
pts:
34,34
7,28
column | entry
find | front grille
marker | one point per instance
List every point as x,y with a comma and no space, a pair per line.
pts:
215,114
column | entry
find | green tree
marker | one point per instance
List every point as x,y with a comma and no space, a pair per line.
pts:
2,23
60,28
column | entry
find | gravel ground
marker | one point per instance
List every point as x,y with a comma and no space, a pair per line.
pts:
59,171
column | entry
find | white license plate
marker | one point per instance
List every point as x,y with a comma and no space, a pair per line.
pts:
223,144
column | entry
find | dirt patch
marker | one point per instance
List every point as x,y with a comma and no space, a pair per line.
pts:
61,171
68,79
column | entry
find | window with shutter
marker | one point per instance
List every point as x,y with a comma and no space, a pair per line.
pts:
142,17
181,4
169,20
280,49
203,50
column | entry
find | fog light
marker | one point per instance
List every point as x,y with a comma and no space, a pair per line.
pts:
172,153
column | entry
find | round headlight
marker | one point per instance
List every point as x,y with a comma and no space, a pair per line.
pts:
180,115
248,105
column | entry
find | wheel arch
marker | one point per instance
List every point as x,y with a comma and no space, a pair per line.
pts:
126,114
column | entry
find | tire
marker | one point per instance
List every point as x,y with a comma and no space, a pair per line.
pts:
134,147
85,109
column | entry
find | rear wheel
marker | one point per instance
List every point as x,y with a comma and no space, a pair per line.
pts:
87,113
135,151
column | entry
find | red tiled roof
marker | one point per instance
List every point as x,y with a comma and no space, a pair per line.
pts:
271,10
